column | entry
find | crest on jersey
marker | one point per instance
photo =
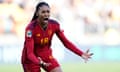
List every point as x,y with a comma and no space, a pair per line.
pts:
49,32
29,33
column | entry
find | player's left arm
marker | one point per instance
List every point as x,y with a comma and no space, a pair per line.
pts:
85,55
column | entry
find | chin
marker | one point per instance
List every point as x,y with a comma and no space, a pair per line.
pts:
46,22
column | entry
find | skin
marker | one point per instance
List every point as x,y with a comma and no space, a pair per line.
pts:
43,13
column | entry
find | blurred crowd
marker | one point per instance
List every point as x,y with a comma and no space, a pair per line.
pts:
93,19
14,15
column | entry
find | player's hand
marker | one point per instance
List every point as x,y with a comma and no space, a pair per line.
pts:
46,64
43,63
86,55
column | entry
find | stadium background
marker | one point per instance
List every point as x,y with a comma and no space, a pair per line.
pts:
93,24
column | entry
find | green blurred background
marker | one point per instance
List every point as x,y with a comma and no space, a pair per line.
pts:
89,24
72,67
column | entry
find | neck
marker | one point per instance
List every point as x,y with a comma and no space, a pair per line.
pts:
43,25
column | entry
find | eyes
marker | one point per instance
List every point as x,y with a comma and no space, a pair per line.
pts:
45,11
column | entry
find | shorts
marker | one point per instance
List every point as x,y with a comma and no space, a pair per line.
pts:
36,68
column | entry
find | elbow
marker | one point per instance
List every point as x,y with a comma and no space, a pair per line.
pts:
29,55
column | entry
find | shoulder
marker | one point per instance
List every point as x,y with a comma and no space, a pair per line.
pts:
29,29
31,25
54,24
53,21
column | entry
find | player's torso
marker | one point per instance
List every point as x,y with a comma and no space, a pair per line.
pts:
43,37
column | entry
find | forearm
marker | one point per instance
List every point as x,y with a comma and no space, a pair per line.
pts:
33,58
30,54
73,48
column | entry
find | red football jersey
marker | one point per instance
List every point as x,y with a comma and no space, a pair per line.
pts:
38,40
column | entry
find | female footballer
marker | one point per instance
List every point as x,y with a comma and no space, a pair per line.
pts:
37,52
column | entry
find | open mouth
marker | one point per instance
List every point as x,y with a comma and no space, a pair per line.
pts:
45,19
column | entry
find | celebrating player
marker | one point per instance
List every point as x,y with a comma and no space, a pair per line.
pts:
38,35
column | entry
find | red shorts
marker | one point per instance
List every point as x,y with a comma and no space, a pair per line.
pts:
36,68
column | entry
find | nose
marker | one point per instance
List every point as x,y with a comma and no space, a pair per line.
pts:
47,14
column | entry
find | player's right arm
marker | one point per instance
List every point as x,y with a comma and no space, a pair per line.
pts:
29,45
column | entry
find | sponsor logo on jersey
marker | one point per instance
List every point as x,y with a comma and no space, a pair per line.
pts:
38,35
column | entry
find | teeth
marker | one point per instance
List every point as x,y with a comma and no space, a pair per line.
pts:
45,18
